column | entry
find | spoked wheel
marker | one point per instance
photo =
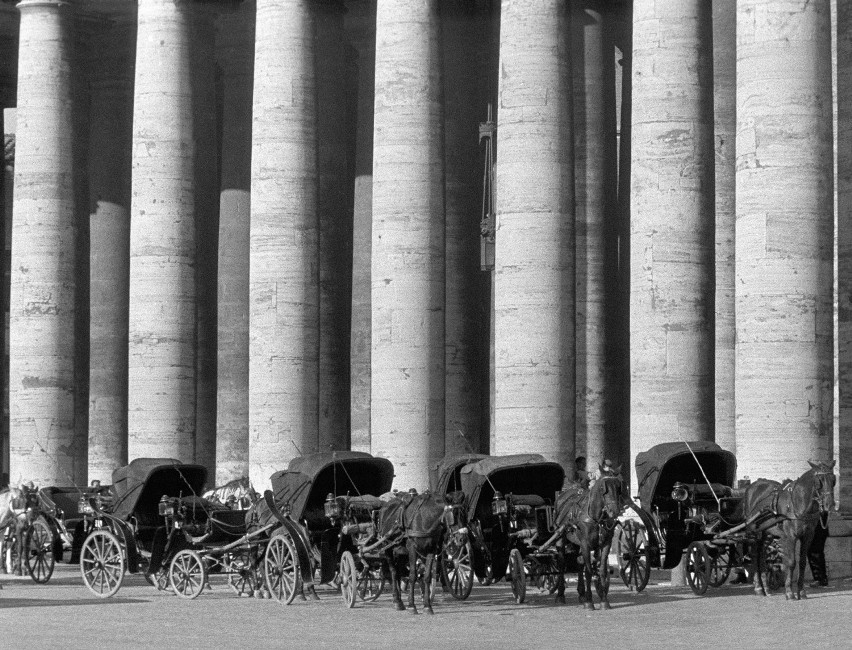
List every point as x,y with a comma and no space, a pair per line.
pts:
634,556
102,563
348,579
721,561
241,574
281,569
457,569
38,551
371,583
547,583
519,577
188,574
697,568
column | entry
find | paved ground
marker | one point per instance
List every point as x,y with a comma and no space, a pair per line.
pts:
64,612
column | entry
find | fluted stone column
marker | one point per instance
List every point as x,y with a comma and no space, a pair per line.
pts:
595,166
464,40
724,97
236,57
783,237
162,355
110,138
283,286
361,23
672,240
844,249
534,279
43,445
407,414
335,124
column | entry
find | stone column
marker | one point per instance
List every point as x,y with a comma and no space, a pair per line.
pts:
361,23
463,44
672,202
162,355
236,57
43,445
596,173
407,406
109,140
284,274
335,123
844,249
725,119
534,256
784,194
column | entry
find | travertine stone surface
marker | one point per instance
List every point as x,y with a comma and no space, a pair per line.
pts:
42,445
407,424
783,237
335,122
463,39
162,340
284,274
534,268
844,249
109,138
235,46
725,119
672,208
360,23
595,168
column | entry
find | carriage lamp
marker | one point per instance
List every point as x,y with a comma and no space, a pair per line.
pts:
499,505
85,506
680,493
332,508
166,507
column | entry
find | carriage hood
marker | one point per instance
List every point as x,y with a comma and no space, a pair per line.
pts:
519,474
138,487
309,479
444,476
659,468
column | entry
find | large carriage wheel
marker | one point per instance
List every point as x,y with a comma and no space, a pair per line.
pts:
281,568
348,578
634,555
188,574
102,563
242,577
519,577
721,561
38,551
457,569
371,582
697,568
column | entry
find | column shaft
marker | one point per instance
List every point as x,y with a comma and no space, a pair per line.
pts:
844,249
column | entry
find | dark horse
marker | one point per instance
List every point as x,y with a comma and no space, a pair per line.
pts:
798,505
417,522
589,517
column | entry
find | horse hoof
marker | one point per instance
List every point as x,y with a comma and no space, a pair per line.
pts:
414,611
560,600
605,605
759,592
430,612
803,596
589,606
400,607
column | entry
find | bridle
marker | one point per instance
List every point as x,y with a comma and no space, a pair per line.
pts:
604,521
819,489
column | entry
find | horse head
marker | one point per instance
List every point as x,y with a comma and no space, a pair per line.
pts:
606,495
823,486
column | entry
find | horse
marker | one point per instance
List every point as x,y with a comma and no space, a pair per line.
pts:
237,494
18,510
799,506
419,521
588,517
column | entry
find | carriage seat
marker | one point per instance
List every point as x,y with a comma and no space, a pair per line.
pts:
366,502
532,500
703,491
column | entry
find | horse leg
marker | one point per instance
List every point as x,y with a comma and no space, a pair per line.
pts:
394,579
560,573
581,579
603,577
427,583
789,542
757,562
19,547
412,575
589,602
804,546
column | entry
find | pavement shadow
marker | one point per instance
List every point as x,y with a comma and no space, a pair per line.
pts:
11,603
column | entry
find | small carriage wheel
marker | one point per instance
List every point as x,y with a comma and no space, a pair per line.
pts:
457,569
348,578
281,569
519,576
188,574
697,568
634,556
102,563
371,583
721,561
39,551
241,573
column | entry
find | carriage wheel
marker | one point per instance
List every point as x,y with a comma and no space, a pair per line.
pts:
697,568
457,569
348,578
102,563
281,569
548,582
634,556
519,576
39,551
371,583
241,573
721,561
188,574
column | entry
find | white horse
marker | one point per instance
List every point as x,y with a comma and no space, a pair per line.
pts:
16,513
